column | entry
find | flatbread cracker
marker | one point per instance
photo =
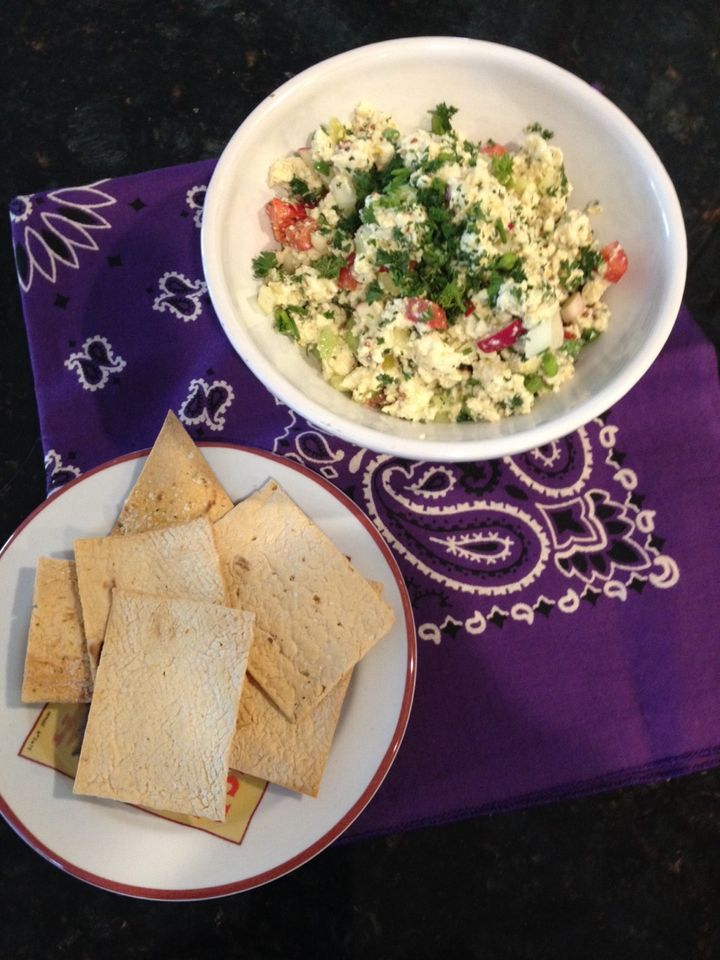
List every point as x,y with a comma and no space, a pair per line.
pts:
175,485
294,755
174,561
57,668
165,704
320,616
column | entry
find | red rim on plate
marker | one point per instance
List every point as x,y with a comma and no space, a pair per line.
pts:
350,815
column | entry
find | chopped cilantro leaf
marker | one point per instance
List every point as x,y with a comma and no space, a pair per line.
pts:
329,266
440,160
373,293
323,166
451,296
538,128
264,263
384,379
574,273
391,134
464,416
442,118
501,167
300,189
502,232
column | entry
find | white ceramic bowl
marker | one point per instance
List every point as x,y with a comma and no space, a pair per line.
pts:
498,91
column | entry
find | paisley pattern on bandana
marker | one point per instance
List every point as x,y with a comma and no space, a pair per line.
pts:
206,403
59,226
519,538
94,363
56,472
195,199
180,296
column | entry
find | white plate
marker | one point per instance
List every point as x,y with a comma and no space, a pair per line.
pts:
120,848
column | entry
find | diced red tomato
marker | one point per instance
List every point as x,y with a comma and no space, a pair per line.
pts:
282,213
569,335
420,310
616,261
503,338
493,149
346,280
290,223
469,307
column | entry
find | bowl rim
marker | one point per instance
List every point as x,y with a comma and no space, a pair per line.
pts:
431,449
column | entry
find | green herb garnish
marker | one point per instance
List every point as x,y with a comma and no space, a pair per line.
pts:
300,189
329,266
538,128
373,293
442,118
285,324
264,263
501,167
573,274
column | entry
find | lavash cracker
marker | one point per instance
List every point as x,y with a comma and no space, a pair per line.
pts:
175,485
293,755
173,561
57,668
165,704
267,745
318,614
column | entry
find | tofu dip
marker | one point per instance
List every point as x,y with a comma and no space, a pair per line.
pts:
431,277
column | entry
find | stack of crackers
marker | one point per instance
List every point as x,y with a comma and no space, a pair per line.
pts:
205,636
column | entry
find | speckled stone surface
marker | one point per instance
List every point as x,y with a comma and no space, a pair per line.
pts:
98,90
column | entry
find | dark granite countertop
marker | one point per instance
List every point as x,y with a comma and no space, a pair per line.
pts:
103,89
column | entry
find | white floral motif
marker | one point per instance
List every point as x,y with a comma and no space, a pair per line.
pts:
60,232
94,363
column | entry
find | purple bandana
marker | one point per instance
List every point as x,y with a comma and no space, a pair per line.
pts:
566,599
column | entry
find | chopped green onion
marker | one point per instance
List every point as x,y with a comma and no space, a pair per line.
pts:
285,324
